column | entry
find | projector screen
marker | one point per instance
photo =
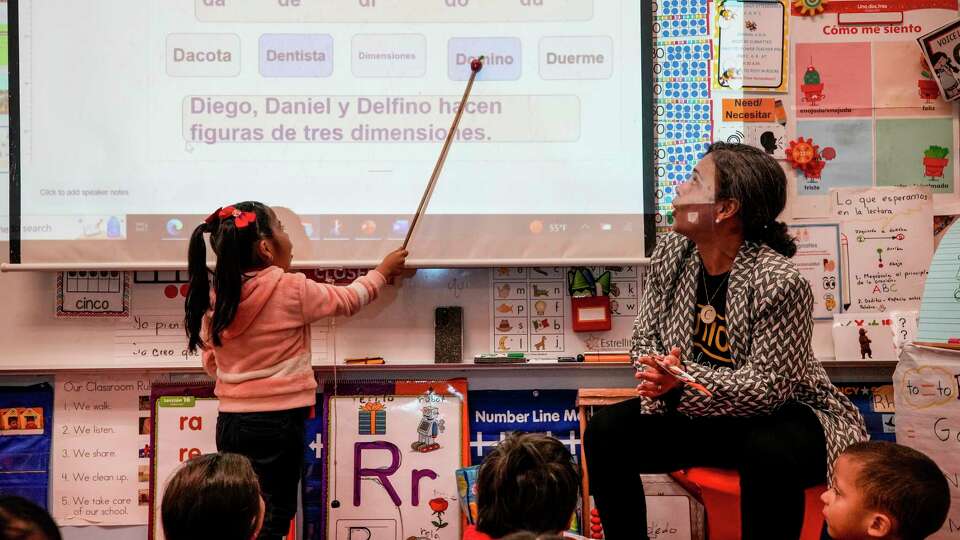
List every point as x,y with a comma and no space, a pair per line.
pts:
133,120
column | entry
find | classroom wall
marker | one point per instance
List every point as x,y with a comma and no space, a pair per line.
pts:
403,319
34,339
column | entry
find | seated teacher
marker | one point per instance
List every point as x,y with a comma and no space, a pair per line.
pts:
723,302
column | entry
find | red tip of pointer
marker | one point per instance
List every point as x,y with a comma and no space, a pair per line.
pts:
476,64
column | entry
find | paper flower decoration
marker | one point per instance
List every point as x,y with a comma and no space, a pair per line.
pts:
809,158
809,7
801,152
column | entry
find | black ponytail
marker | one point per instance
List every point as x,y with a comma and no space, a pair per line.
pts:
228,277
198,295
754,179
236,250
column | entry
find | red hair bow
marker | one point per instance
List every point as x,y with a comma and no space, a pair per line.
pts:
213,216
241,219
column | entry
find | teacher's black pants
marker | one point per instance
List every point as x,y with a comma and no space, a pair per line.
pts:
273,441
777,456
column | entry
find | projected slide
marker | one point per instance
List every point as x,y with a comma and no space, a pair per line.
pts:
137,119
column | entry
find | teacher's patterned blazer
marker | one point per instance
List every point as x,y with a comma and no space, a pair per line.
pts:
769,323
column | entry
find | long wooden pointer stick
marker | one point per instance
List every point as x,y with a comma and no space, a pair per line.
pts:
475,67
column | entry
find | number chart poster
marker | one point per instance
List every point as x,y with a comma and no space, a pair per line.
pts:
392,452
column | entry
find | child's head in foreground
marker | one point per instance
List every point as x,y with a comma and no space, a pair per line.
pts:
885,490
21,519
527,483
213,496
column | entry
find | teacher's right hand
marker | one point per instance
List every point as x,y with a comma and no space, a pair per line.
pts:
654,383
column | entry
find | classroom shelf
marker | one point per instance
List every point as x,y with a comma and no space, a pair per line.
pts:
542,375
467,366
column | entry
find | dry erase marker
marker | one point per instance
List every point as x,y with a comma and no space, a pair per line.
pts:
607,356
499,359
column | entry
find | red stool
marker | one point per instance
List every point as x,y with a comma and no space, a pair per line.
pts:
719,490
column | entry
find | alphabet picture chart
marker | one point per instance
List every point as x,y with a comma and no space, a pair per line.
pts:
186,427
392,462
529,305
531,311
99,476
886,244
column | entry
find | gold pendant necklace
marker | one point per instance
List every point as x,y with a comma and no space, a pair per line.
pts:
708,313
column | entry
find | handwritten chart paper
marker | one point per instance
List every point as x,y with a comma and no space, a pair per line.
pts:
668,517
905,326
154,334
940,310
100,477
886,243
928,416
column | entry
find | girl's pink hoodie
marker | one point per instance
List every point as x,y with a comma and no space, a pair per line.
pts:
263,363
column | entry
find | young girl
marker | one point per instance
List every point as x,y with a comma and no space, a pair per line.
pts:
253,327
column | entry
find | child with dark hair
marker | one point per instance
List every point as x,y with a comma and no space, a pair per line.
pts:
213,496
527,483
252,322
21,519
883,490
